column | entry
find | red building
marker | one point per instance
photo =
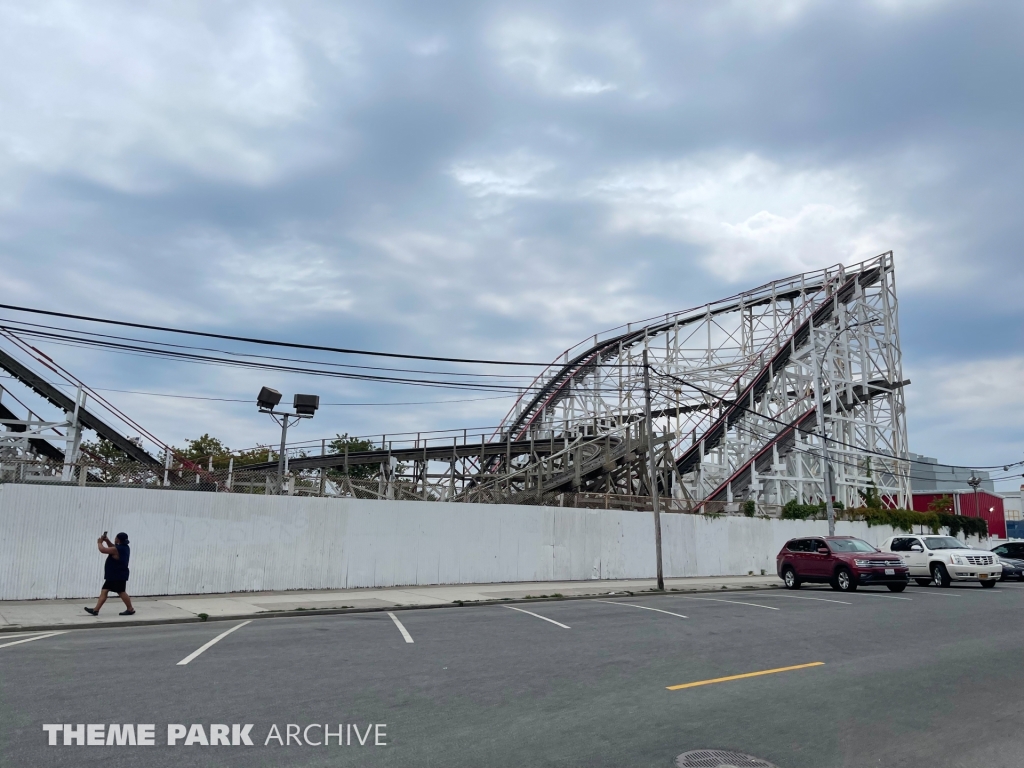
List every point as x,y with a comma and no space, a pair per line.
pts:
964,504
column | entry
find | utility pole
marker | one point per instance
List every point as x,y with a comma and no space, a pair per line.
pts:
819,407
652,470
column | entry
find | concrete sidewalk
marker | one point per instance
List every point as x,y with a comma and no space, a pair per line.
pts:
51,614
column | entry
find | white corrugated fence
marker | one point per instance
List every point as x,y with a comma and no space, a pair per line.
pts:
187,542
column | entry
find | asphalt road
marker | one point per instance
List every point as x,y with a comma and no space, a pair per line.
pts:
927,680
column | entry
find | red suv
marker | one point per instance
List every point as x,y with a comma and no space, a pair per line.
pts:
842,561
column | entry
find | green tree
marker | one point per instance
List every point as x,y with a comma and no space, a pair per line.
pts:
106,462
870,495
943,505
358,471
202,448
104,451
257,455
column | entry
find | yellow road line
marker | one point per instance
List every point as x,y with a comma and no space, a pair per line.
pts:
747,674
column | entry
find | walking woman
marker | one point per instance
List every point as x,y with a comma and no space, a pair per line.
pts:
115,572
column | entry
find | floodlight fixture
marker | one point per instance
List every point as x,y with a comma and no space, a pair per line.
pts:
268,399
306,405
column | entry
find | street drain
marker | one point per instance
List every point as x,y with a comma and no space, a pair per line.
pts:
717,758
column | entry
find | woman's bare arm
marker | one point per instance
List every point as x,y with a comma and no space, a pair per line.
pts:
107,550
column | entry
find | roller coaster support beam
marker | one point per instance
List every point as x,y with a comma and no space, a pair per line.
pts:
74,439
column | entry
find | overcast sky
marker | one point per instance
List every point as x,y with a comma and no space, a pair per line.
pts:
492,179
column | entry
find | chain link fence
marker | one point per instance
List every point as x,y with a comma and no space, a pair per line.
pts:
331,483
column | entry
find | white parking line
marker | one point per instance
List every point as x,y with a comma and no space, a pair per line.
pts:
643,607
872,594
876,594
734,602
30,639
819,599
210,644
403,630
537,615
924,591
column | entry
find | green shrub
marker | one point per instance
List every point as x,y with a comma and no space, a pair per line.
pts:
906,519
749,507
795,511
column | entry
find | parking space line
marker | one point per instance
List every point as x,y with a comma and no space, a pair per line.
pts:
30,639
402,629
642,607
872,594
210,644
924,591
537,615
876,594
819,599
745,675
733,602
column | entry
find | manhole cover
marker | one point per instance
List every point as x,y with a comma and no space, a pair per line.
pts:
717,758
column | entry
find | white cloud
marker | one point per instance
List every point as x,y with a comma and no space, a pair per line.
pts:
969,412
567,63
980,394
119,96
513,175
430,46
295,277
750,215
417,248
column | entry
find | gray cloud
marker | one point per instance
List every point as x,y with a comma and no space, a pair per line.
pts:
504,179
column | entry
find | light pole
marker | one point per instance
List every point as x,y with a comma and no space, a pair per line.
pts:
305,406
974,481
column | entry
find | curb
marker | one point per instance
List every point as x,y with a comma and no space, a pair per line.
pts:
294,614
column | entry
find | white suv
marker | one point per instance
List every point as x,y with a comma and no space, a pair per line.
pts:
941,560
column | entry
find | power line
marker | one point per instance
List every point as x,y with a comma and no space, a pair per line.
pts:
832,459
482,386
30,329
130,349
244,400
268,342
828,439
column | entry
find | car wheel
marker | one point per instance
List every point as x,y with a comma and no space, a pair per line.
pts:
844,581
896,587
789,579
988,584
923,582
940,576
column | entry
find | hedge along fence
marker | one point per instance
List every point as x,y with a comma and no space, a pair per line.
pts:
900,519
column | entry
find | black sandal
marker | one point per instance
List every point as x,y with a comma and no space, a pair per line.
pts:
92,612
126,613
